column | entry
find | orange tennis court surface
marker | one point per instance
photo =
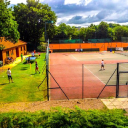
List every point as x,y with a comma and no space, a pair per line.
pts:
66,68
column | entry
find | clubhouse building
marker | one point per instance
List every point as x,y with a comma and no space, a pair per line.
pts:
9,49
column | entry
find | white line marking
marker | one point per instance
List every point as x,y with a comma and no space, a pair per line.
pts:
123,67
74,58
95,76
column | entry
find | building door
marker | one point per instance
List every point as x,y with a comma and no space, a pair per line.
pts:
1,58
17,52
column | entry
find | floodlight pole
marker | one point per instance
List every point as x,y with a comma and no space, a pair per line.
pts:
46,29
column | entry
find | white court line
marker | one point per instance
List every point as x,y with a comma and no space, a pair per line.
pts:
95,76
123,67
74,58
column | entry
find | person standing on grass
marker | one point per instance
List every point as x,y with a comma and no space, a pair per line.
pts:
9,75
33,54
36,67
21,57
39,54
102,65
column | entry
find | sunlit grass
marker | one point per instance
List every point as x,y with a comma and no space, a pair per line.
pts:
26,82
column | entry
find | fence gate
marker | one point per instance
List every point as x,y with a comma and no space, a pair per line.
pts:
122,80
118,81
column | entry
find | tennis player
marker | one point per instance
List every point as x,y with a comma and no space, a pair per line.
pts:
102,65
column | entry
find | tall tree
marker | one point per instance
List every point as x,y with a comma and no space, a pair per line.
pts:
8,25
102,31
120,31
90,33
32,18
82,33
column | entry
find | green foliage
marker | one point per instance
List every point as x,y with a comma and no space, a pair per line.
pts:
120,31
8,25
42,47
61,118
31,18
1,47
101,31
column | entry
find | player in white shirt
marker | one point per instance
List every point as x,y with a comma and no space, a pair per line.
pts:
9,75
102,65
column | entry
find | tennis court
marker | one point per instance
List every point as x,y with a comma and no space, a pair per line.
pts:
79,75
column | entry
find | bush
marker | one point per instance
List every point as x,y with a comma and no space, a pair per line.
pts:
58,117
41,47
36,55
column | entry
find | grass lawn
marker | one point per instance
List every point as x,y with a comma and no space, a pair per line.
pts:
26,82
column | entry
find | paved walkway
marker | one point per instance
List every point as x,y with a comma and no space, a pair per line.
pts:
17,61
116,103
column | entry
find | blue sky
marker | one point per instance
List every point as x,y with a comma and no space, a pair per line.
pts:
85,12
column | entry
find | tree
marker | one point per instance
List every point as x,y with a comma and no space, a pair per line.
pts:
31,18
102,31
90,33
8,25
82,33
62,31
120,31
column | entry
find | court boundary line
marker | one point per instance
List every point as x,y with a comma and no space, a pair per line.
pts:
95,75
124,67
74,57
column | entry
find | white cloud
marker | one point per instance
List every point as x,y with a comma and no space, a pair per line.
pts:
17,1
72,2
77,2
87,2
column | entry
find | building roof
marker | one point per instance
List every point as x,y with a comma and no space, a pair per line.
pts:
8,44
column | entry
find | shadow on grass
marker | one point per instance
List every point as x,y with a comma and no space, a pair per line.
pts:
32,74
24,68
38,91
25,62
4,83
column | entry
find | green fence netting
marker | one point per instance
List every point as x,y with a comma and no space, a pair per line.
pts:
99,40
124,39
71,41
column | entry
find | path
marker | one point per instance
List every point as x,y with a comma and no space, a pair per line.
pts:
17,61
86,104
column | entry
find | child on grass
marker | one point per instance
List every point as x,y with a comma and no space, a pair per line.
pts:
9,75
36,67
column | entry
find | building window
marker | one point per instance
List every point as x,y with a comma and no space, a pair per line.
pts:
21,48
12,52
7,53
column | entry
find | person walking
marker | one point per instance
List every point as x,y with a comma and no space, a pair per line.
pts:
33,54
36,67
9,75
21,57
102,65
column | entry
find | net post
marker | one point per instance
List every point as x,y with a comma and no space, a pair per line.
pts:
82,81
117,81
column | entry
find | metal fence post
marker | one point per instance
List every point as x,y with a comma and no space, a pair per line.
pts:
117,81
47,82
82,81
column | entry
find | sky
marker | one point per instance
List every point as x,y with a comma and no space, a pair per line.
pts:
85,12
